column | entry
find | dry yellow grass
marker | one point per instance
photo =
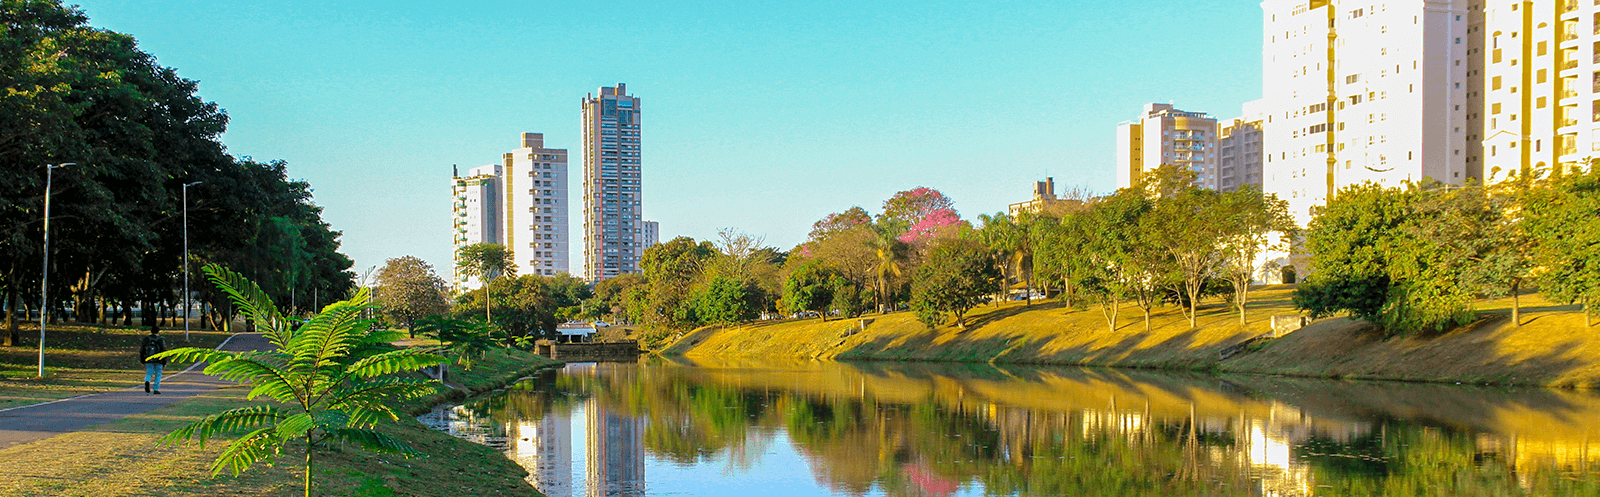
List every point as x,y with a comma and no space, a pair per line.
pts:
1551,348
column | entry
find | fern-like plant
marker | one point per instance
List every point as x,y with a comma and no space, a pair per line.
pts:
334,386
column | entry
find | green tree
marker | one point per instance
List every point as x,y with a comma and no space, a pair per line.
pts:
724,301
1249,219
1007,238
809,287
672,270
892,257
849,299
1119,255
335,390
524,307
409,290
1185,225
1060,253
1408,260
467,340
1563,219
956,277
485,261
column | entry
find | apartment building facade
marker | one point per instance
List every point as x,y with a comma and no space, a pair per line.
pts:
613,228
1239,153
1166,135
537,211
1356,92
1536,68
476,216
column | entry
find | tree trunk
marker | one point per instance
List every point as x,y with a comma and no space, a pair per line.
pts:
309,466
1028,288
1146,318
1516,307
1239,297
13,335
1111,313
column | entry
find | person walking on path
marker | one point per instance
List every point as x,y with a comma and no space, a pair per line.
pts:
153,344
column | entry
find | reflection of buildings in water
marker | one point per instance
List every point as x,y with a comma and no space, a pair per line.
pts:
544,448
1530,456
616,452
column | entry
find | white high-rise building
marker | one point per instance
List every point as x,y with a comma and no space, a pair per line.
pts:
1165,135
1363,92
537,209
544,448
613,230
477,215
1536,76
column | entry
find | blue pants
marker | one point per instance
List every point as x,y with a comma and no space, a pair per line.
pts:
152,375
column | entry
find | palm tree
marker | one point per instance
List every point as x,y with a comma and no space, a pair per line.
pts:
892,255
488,261
332,373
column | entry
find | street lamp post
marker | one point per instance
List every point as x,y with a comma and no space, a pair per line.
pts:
186,298
44,277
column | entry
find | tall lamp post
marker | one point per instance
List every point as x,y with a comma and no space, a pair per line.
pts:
186,298
44,277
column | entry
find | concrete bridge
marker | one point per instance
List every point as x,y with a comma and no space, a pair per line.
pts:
627,350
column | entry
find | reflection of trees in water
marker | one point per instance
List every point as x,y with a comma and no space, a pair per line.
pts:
859,436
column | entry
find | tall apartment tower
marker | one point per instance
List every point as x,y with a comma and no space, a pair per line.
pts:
477,215
613,230
1537,80
1165,135
536,211
1355,92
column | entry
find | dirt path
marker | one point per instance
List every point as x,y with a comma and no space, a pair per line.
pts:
31,423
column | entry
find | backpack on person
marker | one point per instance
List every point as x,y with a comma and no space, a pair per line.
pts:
152,345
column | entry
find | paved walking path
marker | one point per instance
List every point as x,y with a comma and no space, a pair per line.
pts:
31,423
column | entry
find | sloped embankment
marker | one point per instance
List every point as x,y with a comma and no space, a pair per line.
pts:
1552,347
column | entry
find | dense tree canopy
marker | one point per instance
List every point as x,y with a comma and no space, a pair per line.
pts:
135,133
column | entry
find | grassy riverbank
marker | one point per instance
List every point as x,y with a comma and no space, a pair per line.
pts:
1551,348
125,458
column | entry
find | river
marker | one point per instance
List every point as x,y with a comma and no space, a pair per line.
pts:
804,428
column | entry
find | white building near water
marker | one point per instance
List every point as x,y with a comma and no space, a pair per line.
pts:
477,215
537,210
1355,92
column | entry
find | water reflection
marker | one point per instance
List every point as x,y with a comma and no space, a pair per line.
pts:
818,428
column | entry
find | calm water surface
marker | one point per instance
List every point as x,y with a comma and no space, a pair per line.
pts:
673,427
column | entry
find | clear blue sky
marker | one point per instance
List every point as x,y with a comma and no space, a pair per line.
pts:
760,117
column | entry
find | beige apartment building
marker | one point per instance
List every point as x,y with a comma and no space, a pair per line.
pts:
1239,154
1165,135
